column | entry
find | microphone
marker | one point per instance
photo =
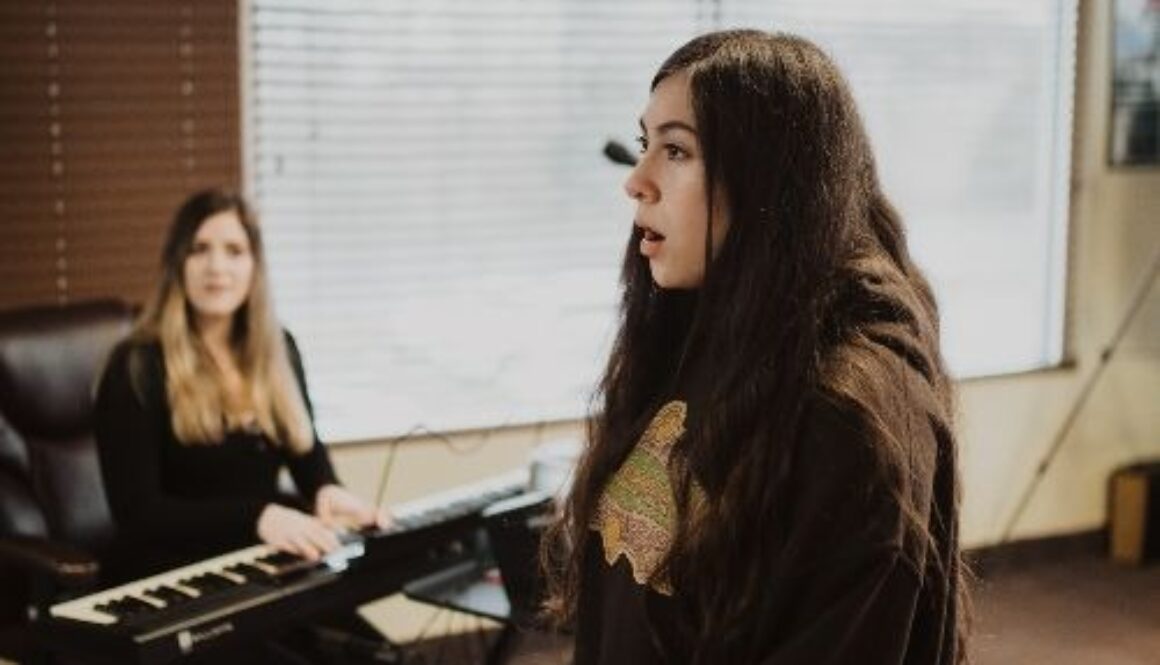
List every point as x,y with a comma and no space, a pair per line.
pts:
618,154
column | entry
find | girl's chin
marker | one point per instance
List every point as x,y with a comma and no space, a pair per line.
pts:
210,311
675,285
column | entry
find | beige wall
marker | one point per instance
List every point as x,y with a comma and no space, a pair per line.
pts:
1006,424
425,465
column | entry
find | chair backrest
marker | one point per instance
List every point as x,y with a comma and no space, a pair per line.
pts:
50,360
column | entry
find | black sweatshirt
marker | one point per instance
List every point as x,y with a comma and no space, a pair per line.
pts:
850,588
173,503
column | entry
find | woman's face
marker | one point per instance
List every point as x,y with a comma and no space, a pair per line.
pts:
219,269
668,185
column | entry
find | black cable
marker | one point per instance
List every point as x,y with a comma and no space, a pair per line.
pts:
439,611
443,640
1109,350
481,635
283,652
471,449
342,643
389,462
445,439
461,646
385,475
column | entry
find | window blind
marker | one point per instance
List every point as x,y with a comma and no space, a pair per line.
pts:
445,235
969,107
109,114
444,231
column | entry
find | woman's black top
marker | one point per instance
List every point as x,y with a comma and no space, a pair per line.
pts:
852,588
174,503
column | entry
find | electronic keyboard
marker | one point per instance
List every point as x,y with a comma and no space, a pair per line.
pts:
257,590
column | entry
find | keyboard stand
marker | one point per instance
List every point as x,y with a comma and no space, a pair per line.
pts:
471,588
347,646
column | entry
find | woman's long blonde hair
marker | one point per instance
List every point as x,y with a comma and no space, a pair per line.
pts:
193,383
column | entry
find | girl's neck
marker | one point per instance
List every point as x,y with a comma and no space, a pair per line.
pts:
238,404
214,331
215,335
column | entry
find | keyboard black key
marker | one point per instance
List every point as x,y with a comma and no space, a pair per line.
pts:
217,601
280,559
125,606
167,594
208,582
251,573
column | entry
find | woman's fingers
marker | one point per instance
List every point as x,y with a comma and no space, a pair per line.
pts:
383,518
341,509
296,532
315,539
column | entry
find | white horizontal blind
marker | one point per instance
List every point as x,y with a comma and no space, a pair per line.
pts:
444,231
445,235
969,106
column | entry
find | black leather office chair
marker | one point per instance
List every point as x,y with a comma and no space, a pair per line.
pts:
55,524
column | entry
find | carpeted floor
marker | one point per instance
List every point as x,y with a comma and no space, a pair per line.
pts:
1070,608
1055,603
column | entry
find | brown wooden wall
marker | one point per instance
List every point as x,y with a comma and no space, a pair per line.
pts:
111,112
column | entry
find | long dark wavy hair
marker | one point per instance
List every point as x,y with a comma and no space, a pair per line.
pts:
812,295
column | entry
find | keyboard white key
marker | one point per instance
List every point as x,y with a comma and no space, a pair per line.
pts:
473,493
85,608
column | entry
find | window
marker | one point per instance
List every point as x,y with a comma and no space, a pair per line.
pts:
445,234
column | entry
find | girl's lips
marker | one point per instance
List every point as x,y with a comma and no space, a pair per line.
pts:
650,243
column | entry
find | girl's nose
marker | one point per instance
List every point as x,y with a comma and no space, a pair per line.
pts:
638,186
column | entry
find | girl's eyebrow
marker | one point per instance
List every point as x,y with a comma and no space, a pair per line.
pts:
670,125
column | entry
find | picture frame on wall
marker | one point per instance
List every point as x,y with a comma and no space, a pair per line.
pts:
1135,115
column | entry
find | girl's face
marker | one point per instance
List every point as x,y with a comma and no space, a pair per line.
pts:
668,185
219,269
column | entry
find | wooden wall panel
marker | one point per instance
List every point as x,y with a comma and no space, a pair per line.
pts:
111,113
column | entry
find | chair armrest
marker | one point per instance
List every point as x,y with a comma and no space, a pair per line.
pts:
63,566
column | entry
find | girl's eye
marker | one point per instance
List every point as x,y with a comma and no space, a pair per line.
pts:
198,248
642,143
675,152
